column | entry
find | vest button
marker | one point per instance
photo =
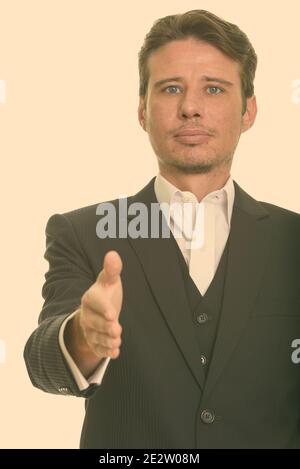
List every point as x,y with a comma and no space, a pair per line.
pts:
203,359
202,318
207,416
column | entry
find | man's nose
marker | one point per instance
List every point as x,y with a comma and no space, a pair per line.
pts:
191,105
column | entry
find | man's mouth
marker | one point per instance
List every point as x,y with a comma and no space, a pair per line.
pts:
192,136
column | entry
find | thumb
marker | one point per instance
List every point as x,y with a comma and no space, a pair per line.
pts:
112,267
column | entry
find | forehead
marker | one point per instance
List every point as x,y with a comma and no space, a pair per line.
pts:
188,56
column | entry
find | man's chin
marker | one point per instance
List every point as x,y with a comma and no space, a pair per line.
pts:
190,167
196,169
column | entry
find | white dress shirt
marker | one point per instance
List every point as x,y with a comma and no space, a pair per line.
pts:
212,216
201,236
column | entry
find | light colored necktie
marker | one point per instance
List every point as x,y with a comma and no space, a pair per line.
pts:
201,264
195,222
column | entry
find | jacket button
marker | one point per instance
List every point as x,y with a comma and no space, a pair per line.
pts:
64,390
203,359
207,416
202,318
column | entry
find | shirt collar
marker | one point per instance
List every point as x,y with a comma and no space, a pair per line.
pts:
168,193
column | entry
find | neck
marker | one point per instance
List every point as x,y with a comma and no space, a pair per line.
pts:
199,184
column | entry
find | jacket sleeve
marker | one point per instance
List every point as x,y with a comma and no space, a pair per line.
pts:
68,277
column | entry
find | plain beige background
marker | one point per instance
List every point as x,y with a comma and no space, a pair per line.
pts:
70,137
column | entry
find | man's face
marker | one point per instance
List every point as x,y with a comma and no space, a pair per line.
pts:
194,118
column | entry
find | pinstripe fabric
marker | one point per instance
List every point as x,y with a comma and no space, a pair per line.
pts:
155,395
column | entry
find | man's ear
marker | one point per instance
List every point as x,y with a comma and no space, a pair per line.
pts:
142,113
249,116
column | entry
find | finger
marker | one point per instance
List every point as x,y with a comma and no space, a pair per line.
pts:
95,322
103,340
108,353
105,352
104,346
112,267
110,343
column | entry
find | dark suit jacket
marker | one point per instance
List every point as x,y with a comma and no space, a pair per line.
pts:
154,394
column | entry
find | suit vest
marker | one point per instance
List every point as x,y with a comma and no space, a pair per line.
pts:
205,310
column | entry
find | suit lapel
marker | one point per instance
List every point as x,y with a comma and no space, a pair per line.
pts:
249,247
160,264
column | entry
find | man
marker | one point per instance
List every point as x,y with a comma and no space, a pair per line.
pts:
175,347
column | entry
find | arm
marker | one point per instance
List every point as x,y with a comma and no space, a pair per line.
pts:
68,277
70,285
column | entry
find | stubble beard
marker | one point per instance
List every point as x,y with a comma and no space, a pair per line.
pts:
191,165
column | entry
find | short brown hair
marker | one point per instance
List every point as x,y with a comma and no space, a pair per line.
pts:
207,27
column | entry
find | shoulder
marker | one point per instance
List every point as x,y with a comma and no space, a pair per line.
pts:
285,225
89,212
81,223
84,216
281,214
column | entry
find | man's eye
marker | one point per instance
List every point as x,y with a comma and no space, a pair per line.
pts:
214,90
172,89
